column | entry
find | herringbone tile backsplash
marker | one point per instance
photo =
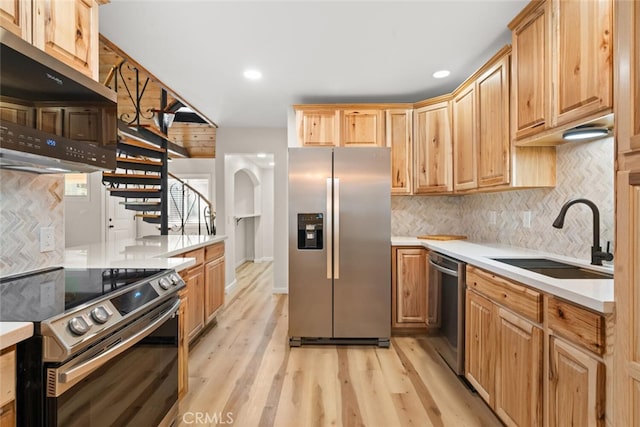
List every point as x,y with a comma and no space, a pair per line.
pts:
584,170
27,202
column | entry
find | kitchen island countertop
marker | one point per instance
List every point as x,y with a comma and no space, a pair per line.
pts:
143,252
596,294
13,332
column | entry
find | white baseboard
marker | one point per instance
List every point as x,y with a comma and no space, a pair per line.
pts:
231,287
263,259
242,261
280,290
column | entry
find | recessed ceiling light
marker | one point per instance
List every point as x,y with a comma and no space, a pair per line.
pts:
441,74
261,155
252,74
272,163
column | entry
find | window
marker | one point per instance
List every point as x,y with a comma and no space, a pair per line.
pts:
76,185
184,202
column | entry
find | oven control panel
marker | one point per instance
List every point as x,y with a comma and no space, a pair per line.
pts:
83,326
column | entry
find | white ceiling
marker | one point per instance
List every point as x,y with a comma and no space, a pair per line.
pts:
308,51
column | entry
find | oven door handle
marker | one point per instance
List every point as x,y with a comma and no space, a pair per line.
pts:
443,269
75,374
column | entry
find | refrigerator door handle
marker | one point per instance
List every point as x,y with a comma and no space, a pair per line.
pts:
336,228
329,234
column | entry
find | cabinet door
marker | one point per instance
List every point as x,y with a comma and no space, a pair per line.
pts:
83,124
183,346
15,16
584,69
50,120
411,287
530,72
493,123
576,387
362,128
18,114
465,160
518,371
433,149
480,345
68,30
318,127
195,308
399,127
214,288
8,415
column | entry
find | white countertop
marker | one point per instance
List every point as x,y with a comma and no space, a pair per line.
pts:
13,332
596,294
143,252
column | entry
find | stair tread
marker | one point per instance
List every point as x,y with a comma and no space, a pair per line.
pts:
139,144
147,215
137,190
129,175
138,161
141,203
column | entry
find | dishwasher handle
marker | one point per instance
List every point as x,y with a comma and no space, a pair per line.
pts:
442,269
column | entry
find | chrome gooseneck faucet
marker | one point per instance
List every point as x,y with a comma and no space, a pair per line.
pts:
597,255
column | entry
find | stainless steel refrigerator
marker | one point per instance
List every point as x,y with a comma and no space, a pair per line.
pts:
339,245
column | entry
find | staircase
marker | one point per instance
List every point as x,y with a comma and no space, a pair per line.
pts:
143,182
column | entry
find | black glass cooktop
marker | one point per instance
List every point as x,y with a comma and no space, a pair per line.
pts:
37,296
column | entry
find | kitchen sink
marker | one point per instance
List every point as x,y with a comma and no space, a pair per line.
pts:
555,269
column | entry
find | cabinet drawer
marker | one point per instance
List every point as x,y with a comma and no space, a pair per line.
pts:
198,254
7,375
212,252
518,298
577,324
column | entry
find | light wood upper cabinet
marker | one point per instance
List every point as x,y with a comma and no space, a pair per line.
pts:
518,391
362,128
576,387
583,73
15,16
562,68
465,152
68,31
492,93
530,51
399,128
433,162
480,345
317,128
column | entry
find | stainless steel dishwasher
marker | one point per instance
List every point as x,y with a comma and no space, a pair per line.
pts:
447,275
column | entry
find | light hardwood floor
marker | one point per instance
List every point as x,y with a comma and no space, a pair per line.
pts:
243,373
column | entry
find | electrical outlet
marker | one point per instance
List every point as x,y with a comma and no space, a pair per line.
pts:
47,240
526,219
493,217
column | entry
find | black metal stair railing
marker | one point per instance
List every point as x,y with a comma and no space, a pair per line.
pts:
190,206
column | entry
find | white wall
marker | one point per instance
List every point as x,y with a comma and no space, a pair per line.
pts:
264,224
231,141
244,204
84,216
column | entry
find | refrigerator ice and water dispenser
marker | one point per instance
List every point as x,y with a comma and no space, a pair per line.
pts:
310,231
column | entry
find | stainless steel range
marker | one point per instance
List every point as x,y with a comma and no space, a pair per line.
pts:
104,350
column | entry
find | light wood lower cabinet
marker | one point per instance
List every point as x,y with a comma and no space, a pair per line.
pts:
7,387
205,287
194,279
214,291
534,358
480,348
415,304
183,346
518,371
576,386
